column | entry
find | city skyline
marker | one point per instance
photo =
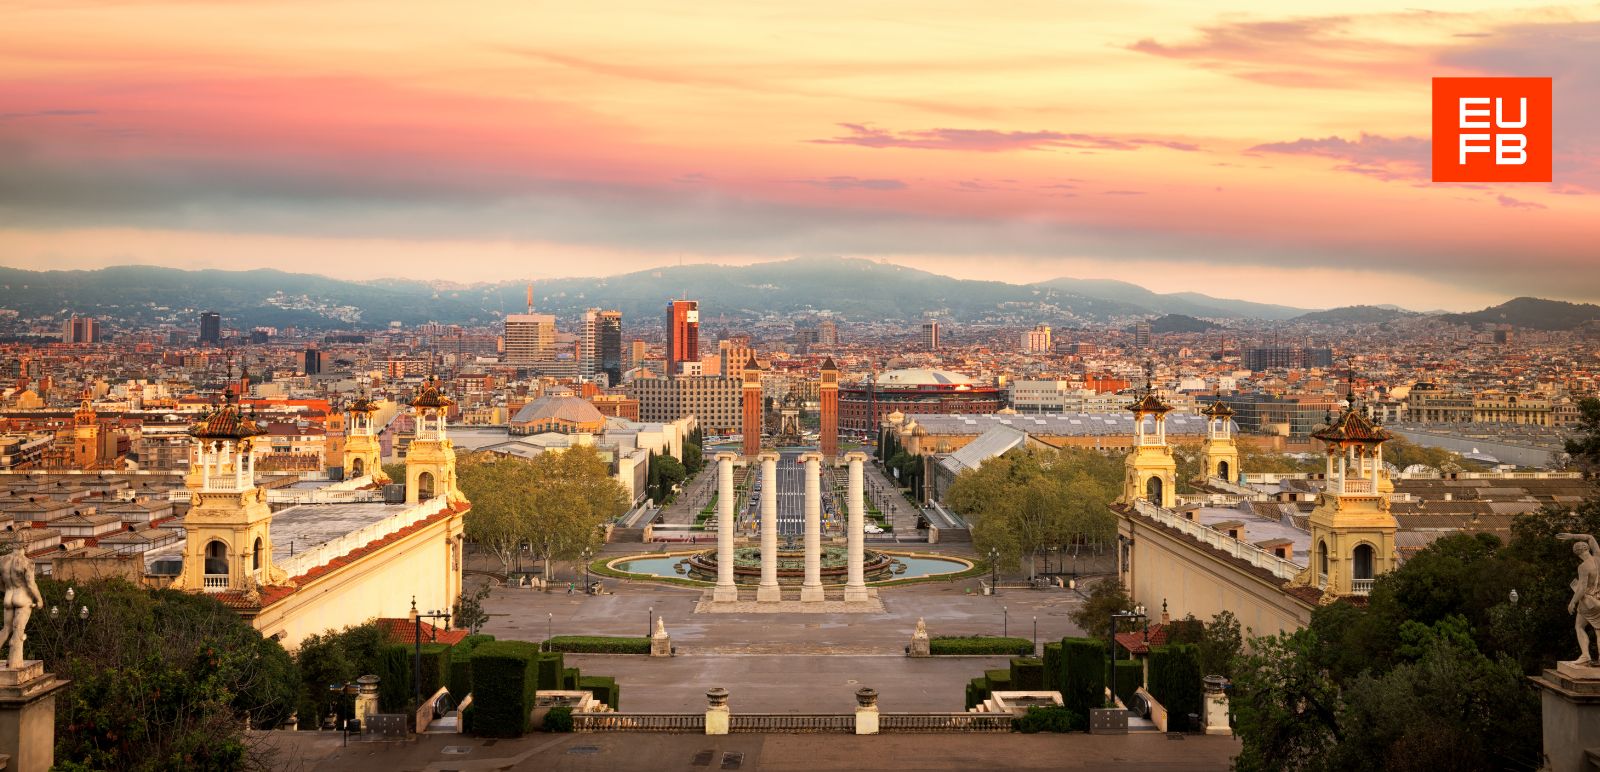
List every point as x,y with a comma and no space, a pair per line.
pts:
1204,151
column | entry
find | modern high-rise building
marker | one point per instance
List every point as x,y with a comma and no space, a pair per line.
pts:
1037,340
588,344
313,362
683,337
930,335
827,333
210,328
1287,358
638,352
714,402
530,338
733,352
81,329
608,343
1141,334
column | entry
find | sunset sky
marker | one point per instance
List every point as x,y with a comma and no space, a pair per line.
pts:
1263,150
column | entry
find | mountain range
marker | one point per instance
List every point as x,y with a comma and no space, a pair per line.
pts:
855,289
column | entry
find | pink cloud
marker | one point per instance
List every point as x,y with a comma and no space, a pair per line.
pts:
990,140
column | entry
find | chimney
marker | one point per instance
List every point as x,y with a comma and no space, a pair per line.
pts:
1166,619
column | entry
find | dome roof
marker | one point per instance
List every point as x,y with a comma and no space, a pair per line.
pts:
431,396
226,423
563,408
922,376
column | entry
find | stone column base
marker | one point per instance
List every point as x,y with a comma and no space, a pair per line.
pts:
28,716
768,594
856,594
717,720
867,720
811,594
660,645
1569,696
725,595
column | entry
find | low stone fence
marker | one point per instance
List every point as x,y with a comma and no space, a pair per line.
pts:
791,723
679,723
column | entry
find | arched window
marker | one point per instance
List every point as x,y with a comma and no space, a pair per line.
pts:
1222,470
255,556
216,557
1152,490
358,467
424,486
1361,562
1322,558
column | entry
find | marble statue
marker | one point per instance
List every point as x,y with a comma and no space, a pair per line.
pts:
661,626
21,598
1585,603
922,629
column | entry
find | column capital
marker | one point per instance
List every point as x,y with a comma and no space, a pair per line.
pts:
726,456
855,455
766,456
810,456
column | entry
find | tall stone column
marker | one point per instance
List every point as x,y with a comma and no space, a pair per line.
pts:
855,586
768,591
726,590
811,590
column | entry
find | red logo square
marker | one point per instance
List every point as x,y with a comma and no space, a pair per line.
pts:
1491,129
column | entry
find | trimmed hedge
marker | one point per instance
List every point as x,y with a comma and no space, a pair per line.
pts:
598,644
505,677
1128,675
1052,666
551,663
394,677
605,689
977,691
569,678
1051,718
1027,674
460,680
1175,682
980,644
999,680
1083,677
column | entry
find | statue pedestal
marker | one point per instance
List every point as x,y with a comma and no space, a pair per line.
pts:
920,646
1569,697
660,645
28,716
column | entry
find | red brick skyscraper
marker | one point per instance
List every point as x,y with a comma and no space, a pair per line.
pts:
683,336
752,408
829,390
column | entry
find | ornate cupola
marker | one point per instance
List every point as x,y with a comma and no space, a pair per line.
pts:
1352,531
228,540
431,458
1219,453
1150,472
362,453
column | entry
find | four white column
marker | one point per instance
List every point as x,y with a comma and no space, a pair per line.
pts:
855,586
725,590
811,589
768,589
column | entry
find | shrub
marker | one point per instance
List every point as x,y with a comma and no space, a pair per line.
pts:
977,691
1052,665
559,719
598,644
394,678
460,678
505,677
980,644
1175,682
1027,674
1128,676
605,689
551,663
1083,677
1051,718
999,680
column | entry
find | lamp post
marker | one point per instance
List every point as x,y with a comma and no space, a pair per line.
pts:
587,553
1111,663
994,571
650,622
1005,622
1036,636
416,679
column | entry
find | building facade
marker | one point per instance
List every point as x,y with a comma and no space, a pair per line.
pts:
864,405
715,402
683,337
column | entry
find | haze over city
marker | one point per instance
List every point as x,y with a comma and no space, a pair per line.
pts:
1180,145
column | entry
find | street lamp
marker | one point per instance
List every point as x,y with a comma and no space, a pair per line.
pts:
1005,622
418,616
549,628
650,622
1036,635
1111,663
994,571
587,553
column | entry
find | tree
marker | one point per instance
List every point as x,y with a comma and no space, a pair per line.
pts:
1025,501
468,613
1585,446
161,679
1106,597
1285,705
496,520
669,473
1256,461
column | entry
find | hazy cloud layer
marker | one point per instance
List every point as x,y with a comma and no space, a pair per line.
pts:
990,140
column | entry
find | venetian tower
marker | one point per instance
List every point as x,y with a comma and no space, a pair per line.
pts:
228,529
751,425
828,390
431,458
362,454
1352,531
1218,453
1150,472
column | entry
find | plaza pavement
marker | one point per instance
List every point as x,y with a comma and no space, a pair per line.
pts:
623,752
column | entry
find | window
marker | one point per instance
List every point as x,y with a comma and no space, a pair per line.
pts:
255,556
1322,557
1361,562
216,561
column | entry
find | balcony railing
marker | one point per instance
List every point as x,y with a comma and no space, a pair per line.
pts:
1358,485
1322,581
1360,586
215,582
1256,556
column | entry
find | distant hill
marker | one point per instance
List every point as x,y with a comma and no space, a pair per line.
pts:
1355,315
855,288
1181,323
1532,313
